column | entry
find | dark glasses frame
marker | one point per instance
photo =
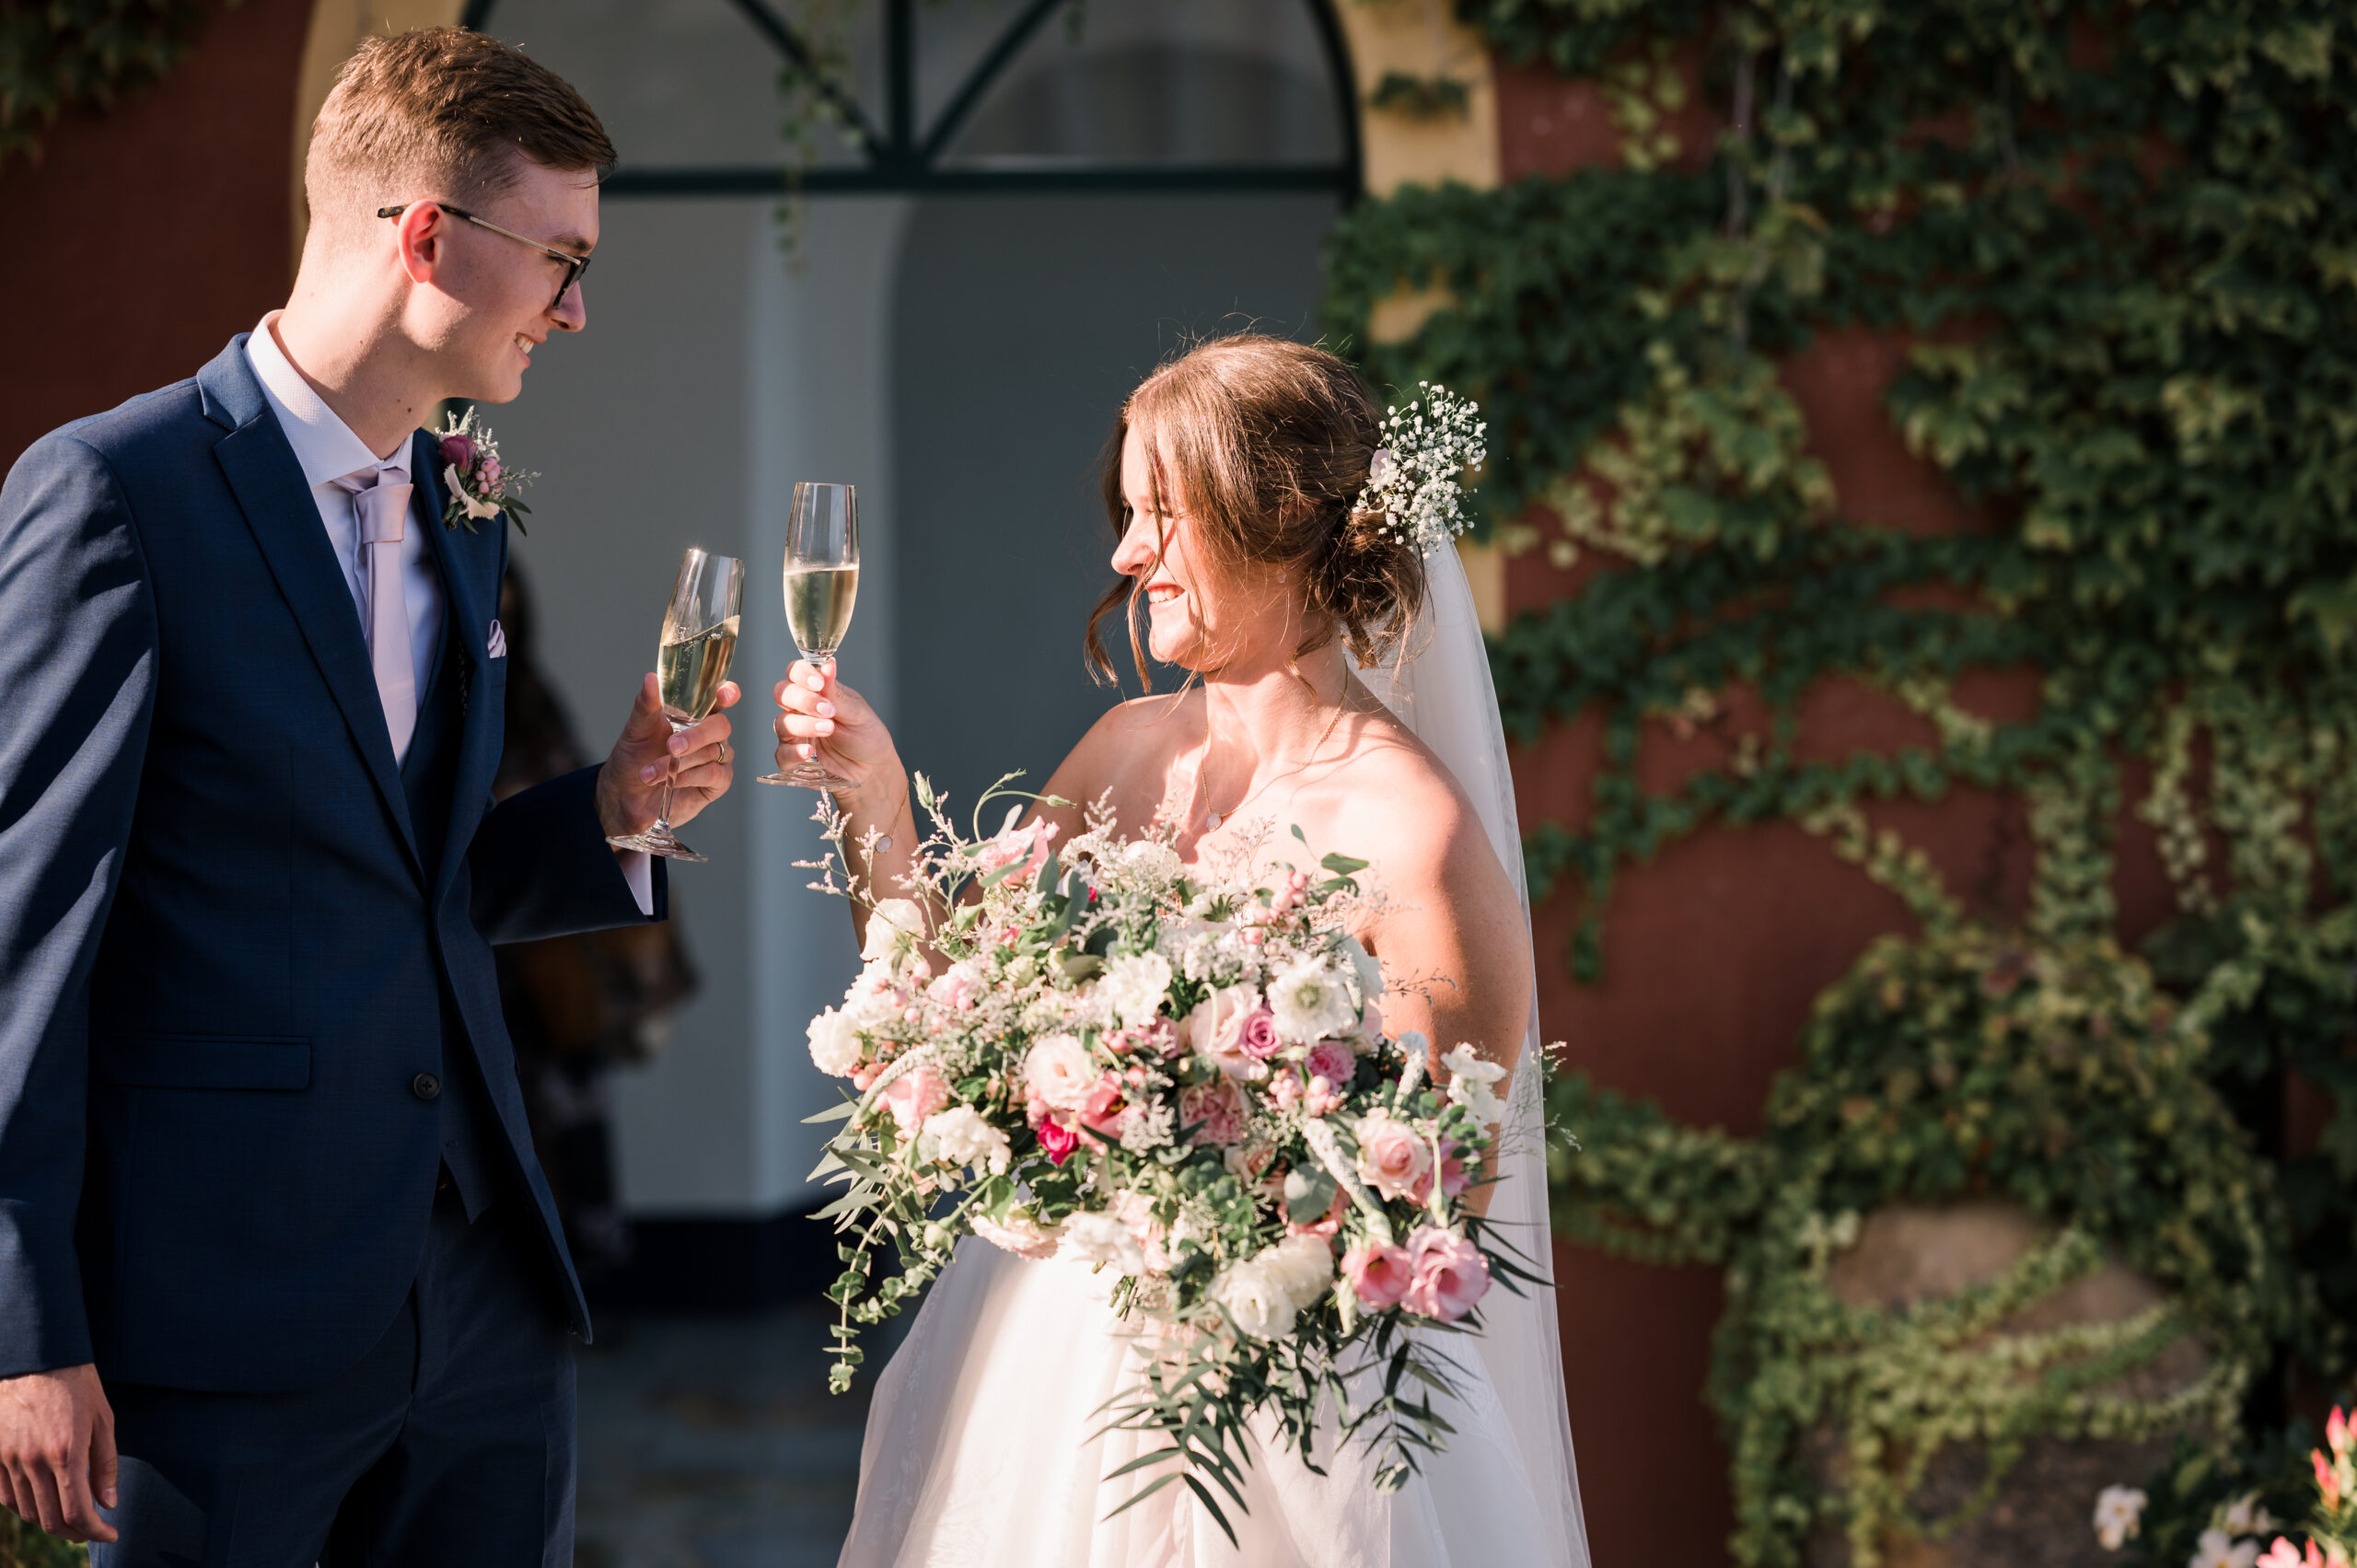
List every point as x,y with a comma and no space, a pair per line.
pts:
573,265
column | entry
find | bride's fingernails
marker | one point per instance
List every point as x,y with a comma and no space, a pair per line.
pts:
815,683
826,710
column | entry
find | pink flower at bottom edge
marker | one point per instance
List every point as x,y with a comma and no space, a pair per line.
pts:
1451,1275
1379,1275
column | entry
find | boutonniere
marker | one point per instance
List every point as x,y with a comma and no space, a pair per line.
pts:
479,485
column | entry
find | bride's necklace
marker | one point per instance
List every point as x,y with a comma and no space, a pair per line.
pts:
1211,819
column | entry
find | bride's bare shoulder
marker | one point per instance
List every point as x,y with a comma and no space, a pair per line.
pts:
1401,802
1128,750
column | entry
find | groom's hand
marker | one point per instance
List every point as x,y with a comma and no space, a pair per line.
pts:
699,761
57,1458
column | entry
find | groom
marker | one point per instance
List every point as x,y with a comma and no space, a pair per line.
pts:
270,1228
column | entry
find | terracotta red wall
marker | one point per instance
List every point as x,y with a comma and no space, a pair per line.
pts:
1714,951
143,238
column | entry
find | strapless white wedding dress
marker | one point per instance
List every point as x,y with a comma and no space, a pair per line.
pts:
978,1452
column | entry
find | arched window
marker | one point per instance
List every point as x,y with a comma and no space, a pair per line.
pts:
968,96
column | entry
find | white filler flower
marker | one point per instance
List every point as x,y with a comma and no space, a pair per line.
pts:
1310,1003
2119,1511
1471,1083
1135,985
960,1136
1101,1238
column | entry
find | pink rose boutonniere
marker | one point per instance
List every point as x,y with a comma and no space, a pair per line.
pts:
479,485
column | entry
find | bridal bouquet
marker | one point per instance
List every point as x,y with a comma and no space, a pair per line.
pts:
1085,1051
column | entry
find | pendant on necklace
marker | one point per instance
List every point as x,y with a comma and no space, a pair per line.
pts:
1210,821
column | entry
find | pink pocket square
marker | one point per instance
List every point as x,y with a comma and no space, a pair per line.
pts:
497,646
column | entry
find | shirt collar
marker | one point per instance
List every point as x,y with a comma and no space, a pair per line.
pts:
324,446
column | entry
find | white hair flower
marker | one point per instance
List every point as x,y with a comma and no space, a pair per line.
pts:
1416,478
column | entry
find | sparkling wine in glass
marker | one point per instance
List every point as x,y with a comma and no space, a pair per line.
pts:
691,662
822,582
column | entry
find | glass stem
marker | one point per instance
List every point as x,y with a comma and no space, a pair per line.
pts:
663,817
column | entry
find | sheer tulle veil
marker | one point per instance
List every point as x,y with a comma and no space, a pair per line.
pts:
1442,691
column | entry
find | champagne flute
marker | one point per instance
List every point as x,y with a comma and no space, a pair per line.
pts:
691,663
821,581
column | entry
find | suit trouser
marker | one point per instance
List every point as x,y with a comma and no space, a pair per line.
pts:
451,1443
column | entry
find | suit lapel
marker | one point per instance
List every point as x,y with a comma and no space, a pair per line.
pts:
268,483
469,566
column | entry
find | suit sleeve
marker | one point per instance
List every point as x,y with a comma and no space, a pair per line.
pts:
541,866
78,675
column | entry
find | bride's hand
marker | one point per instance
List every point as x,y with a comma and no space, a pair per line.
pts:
822,715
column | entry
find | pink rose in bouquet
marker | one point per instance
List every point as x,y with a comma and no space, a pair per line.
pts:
1059,1071
1333,1060
1379,1274
1257,1035
1450,1274
1394,1159
1217,1025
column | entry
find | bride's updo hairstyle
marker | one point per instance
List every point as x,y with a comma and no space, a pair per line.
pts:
1267,443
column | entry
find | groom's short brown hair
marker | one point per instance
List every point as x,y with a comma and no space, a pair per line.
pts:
442,113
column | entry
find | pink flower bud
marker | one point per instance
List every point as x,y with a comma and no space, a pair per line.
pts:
459,451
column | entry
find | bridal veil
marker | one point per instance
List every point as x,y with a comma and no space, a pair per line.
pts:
1441,689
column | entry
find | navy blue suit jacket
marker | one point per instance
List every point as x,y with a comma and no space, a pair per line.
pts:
224,959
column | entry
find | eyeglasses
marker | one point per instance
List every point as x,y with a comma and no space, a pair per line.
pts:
573,265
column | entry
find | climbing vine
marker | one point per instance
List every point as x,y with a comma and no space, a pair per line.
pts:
2114,248
60,55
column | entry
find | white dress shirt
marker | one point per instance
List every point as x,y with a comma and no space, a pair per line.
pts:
327,450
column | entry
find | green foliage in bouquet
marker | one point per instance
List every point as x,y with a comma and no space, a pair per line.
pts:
61,55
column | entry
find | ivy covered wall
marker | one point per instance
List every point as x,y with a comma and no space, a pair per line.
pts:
1940,419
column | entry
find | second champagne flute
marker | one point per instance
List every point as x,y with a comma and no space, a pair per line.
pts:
822,582
699,639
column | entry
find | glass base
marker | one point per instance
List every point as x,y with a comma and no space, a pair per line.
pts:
656,840
809,775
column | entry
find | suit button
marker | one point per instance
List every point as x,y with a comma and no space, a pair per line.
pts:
425,1086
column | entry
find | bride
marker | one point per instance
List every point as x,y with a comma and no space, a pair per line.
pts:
1339,687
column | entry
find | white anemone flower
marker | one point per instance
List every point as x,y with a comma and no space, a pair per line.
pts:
1310,1001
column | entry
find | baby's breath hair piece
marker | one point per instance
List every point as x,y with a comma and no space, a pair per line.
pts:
1416,478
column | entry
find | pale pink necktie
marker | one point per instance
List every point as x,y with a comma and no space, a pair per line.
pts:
380,497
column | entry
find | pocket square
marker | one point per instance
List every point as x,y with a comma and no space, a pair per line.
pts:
496,646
